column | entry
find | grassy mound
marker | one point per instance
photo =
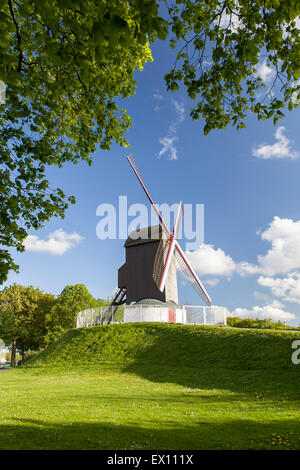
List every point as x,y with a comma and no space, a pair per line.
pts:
155,386
171,345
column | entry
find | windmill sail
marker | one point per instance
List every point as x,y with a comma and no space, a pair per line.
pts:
181,265
160,259
168,247
171,248
134,167
159,265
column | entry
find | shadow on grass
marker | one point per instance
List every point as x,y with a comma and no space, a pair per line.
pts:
242,362
256,384
235,434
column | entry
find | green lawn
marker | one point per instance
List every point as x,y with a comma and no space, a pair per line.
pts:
155,387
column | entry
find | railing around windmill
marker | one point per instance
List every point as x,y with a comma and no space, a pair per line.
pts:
186,314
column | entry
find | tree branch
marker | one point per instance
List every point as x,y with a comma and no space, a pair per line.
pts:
11,9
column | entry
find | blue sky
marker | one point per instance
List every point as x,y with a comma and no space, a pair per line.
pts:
250,259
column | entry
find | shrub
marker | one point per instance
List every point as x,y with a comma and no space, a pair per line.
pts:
257,323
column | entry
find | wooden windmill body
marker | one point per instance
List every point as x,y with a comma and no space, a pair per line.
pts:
136,275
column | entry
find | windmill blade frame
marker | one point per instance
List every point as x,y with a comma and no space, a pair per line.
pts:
132,163
159,260
167,248
190,274
171,249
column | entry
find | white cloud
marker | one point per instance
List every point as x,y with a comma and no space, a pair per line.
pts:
265,72
285,25
57,244
158,98
212,282
231,20
296,93
169,141
288,287
180,109
261,296
244,268
284,256
274,310
281,148
208,260
168,147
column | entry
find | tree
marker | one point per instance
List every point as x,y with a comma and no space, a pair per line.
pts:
26,308
222,45
66,62
103,302
10,332
36,306
10,329
63,314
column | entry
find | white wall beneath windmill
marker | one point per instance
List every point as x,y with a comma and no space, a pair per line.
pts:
186,314
150,313
180,315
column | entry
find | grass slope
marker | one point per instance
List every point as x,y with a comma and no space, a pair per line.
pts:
142,386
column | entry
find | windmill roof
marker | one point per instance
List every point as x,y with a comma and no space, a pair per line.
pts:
144,235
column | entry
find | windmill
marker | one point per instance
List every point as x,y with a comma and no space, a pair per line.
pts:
168,253
148,276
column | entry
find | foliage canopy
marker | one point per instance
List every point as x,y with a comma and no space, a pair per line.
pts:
69,303
67,63
223,44
28,306
64,64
